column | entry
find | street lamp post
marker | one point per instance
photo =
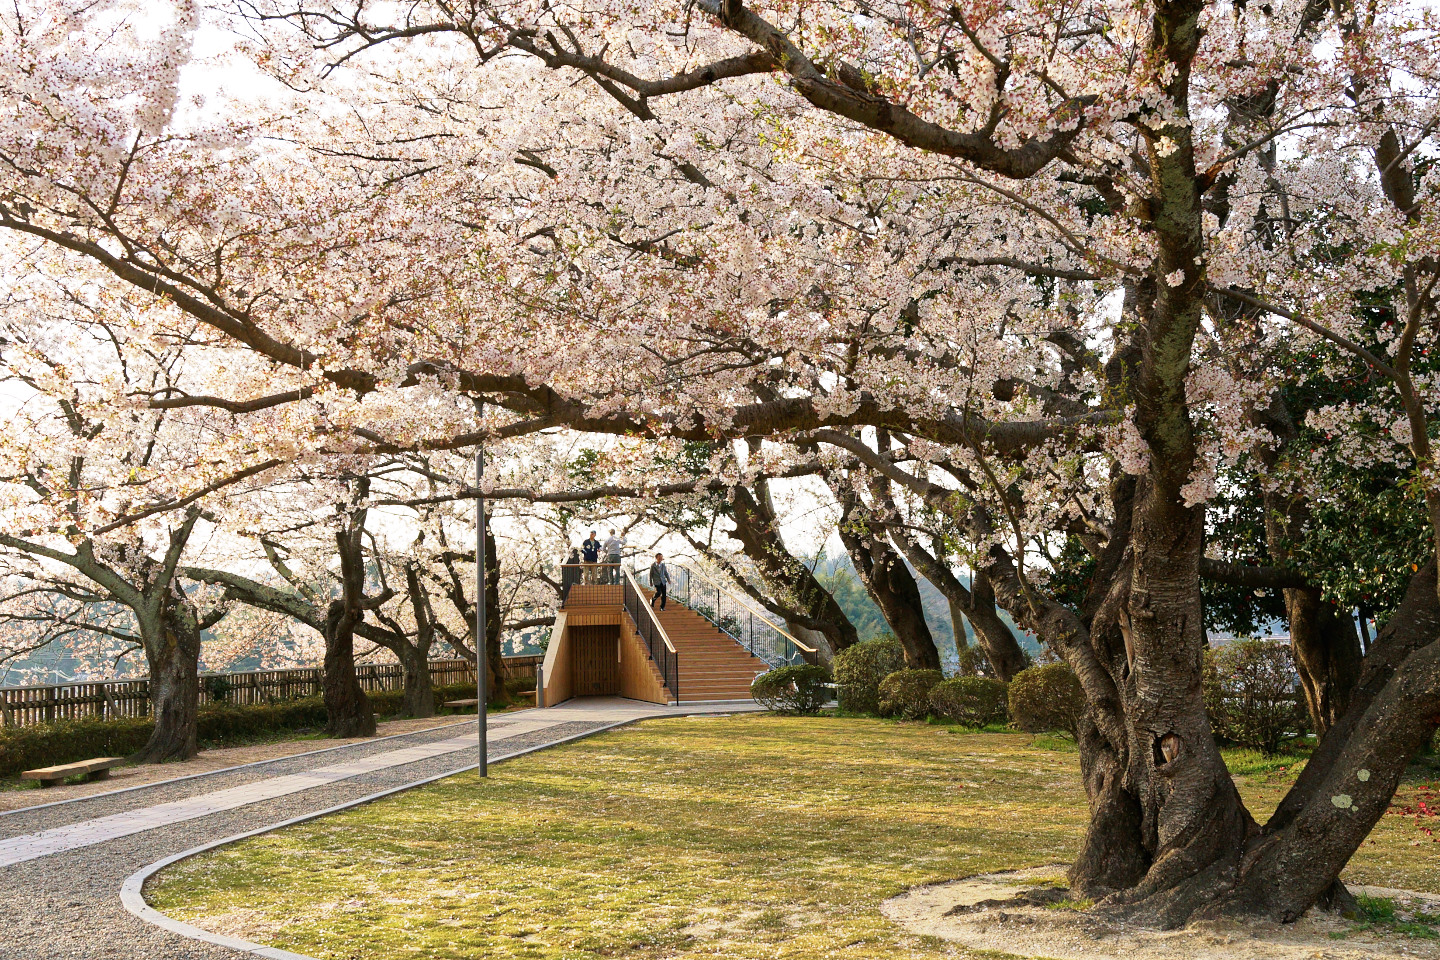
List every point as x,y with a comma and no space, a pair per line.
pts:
481,683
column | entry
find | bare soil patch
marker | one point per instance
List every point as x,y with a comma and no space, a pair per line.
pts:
991,912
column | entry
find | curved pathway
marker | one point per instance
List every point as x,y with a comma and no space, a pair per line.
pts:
63,865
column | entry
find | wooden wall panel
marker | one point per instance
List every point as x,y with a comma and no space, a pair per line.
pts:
639,678
595,660
556,668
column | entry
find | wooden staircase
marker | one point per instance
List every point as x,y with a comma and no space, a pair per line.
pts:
712,665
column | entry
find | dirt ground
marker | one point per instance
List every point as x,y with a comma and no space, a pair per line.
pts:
955,912
205,762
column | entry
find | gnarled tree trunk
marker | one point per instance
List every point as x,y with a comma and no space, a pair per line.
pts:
347,709
419,691
758,531
173,654
889,582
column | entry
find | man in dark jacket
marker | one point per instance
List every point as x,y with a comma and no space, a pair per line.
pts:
660,580
590,552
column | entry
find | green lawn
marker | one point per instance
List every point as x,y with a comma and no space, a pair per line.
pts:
744,837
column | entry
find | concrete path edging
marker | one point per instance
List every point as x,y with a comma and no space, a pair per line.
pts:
132,892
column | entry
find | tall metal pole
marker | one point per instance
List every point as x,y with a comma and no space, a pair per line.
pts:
481,664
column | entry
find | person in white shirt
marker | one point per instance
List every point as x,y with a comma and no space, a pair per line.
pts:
614,545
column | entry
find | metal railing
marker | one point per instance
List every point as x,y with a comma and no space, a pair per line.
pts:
587,574
652,634
736,616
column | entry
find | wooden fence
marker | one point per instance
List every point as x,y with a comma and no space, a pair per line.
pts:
113,699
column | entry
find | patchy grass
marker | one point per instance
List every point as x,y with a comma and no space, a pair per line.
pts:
1383,914
742,837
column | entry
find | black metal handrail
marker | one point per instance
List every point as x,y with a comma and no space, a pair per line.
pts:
740,619
647,626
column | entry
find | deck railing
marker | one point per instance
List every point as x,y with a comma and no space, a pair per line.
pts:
586,574
24,706
736,616
652,634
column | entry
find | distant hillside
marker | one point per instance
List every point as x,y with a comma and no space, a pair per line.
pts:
838,575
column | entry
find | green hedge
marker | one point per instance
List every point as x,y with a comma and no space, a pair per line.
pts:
798,690
69,741
1046,699
1251,695
973,701
905,694
859,670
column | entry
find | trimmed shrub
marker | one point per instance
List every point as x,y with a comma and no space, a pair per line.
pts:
519,685
971,662
797,690
1250,690
1046,699
218,686
905,694
69,741
973,701
859,670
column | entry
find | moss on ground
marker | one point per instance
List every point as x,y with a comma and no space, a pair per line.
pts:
741,837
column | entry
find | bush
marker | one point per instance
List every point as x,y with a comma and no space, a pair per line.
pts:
516,685
218,686
69,741
1046,699
859,670
905,694
797,690
971,662
973,701
1251,696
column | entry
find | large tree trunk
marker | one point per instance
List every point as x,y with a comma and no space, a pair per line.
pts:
419,691
347,709
494,619
888,581
1323,640
173,653
824,654
1297,865
793,582
977,604
414,655
1327,655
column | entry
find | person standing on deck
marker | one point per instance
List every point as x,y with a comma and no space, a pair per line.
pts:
590,550
660,580
613,546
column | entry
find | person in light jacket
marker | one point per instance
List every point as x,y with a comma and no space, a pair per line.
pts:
660,580
614,544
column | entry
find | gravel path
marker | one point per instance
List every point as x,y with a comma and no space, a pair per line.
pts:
68,904
33,819
14,796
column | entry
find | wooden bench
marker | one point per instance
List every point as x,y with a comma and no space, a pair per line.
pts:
456,704
97,769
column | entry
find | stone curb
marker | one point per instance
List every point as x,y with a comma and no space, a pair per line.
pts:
131,892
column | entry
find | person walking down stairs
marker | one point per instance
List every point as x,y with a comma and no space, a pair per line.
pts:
660,580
